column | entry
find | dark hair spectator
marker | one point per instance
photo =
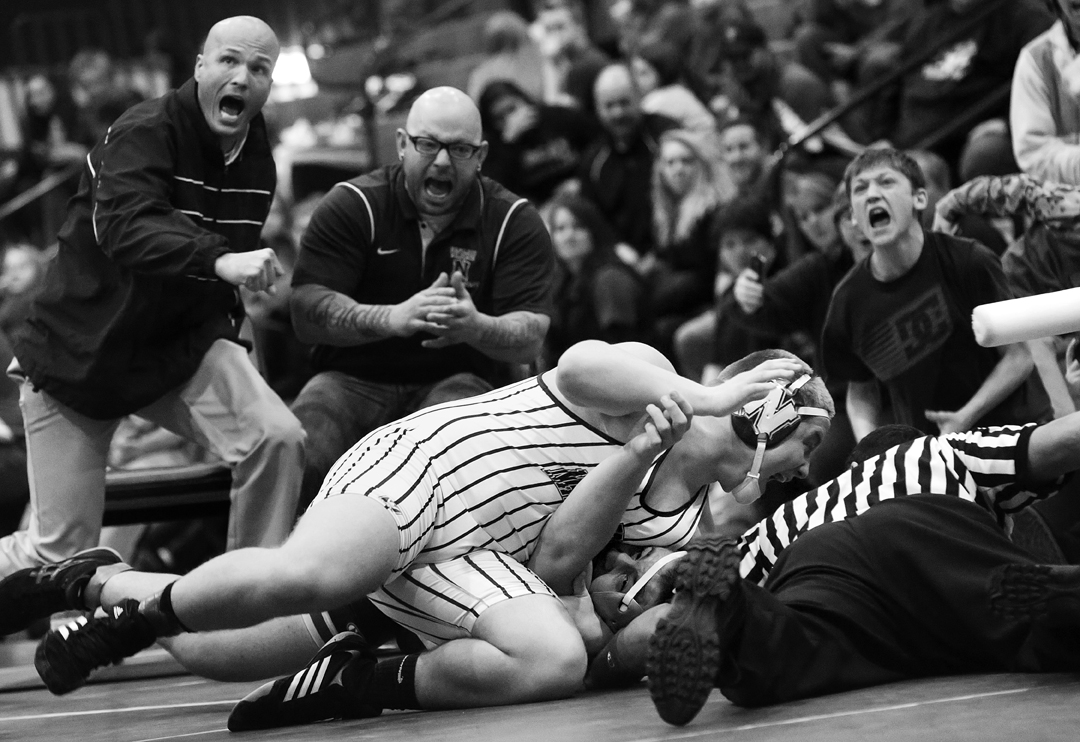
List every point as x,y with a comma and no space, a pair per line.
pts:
572,60
533,147
660,78
511,55
597,296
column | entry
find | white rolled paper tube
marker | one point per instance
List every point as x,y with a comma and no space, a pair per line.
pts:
1027,318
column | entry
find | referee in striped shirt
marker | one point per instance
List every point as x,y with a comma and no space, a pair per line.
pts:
902,567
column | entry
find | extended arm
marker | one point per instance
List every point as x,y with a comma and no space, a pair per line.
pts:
1009,373
132,174
1052,448
622,379
987,195
1046,363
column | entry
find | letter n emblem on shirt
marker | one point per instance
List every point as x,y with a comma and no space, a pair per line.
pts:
462,260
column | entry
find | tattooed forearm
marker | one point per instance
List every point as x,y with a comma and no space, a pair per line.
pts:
334,312
327,317
516,336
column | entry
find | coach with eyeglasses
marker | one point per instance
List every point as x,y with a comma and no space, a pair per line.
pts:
418,283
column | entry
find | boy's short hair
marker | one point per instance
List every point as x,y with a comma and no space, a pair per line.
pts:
885,157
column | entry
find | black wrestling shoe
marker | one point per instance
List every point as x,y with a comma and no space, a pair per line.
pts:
31,594
1037,591
68,654
316,693
684,651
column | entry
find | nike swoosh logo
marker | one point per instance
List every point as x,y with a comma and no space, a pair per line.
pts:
382,251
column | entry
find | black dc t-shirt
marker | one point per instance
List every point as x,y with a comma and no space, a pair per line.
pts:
914,333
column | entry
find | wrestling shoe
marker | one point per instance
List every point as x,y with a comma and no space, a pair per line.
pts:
31,594
68,654
1037,591
684,651
316,693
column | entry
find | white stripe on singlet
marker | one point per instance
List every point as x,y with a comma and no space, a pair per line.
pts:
980,466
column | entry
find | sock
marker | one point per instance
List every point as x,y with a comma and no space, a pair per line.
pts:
609,670
158,610
391,685
92,592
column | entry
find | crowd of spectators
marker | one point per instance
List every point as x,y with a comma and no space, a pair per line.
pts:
664,144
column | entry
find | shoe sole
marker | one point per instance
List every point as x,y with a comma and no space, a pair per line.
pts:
1034,590
684,651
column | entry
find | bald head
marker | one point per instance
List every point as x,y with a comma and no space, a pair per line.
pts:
615,78
449,110
617,103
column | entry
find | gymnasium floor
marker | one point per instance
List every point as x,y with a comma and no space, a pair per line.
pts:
151,700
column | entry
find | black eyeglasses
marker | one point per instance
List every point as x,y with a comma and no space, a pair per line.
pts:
431,147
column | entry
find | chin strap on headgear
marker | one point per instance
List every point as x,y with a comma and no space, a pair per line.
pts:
765,423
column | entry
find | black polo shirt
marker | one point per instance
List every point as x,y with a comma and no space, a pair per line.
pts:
364,241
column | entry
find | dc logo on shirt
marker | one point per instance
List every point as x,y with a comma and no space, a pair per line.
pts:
908,335
462,261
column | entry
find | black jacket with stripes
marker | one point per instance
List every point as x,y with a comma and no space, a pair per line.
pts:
131,302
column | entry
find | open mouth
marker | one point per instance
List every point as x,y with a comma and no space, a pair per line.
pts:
231,107
878,217
437,188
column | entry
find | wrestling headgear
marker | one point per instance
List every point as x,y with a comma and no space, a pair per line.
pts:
765,423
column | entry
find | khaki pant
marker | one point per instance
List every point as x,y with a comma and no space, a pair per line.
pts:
226,407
